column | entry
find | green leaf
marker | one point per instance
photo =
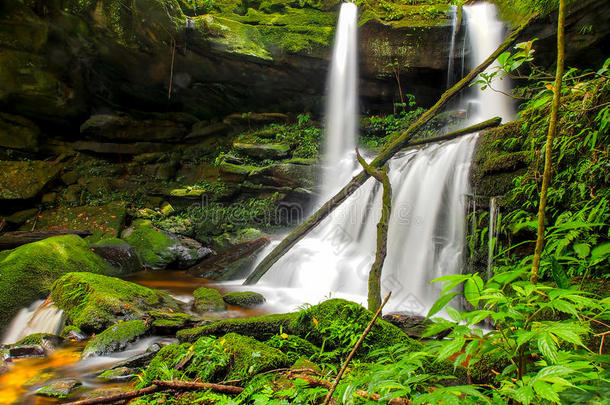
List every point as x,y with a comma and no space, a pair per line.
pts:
545,391
559,274
601,251
548,347
472,289
582,250
440,303
450,348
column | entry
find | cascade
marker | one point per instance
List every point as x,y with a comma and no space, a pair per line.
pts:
494,212
454,30
40,317
427,227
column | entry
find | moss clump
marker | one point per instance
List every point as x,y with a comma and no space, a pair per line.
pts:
154,247
205,360
115,338
93,302
259,327
168,322
293,346
25,179
46,340
227,240
249,356
245,299
208,300
27,272
71,330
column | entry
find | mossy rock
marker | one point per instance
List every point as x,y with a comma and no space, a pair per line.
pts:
104,221
263,150
25,179
18,133
72,332
260,327
166,322
93,302
119,254
59,389
157,249
245,299
115,338
48,341
250,357
117,374
208,300
227,240
295,347
28,272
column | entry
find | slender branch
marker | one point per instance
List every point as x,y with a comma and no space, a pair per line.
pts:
356,346
123,396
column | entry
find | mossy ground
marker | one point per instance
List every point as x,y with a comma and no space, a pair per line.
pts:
93,302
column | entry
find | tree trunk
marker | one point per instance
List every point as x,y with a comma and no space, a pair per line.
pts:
548,169
11,240
379,161
374,296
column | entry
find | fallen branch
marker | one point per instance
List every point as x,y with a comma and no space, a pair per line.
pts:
399,143
298,233
356,346
123,396
11,240
374,296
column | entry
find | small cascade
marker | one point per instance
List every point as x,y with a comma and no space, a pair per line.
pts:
486,32
342,105
494,212
40,317
454,30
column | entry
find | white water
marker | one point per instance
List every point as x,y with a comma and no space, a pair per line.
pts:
40,317
492,229
450,61
428,223
342,105
486,33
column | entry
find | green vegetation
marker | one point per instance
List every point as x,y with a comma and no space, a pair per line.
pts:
208,300
244,299
154,247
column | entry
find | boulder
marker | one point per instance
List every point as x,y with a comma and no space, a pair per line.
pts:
27,272
93,302
245,299
208,300
25,179
117,374
18,133
48,341
119,254
115,338
167,323
59,389
158,249
413,325
21,351
263,150
71,332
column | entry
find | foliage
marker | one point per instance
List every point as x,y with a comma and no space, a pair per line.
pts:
537,330
381,130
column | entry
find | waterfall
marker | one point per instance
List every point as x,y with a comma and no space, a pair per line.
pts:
486,33
492,230
342,105
40,317
427,227
454,30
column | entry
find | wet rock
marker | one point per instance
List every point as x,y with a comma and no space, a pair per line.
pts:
228,241
263,150
139,360
25,179
134,148
21,351
59,389
115,338
203,129
232,263
20,217
48,341
256,119
292,173
245,299
117,374
208,300
412,325
158,249
27,272
119,254
18,133
74,333
94,302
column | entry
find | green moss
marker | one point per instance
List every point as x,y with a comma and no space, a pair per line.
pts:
93,302
42,339
293,346
153,246
259,327
249,356
246,299
115,338
166,322
70,329
227,240
27,272
25,179
208,300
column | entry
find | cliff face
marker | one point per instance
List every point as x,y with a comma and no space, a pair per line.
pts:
62,60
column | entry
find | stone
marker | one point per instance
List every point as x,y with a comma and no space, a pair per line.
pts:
167,323
208,300
48,341
263,150
25,179
117,374
115,338
413,325
203,129
18,133
245,299
21,351
20,217
59,389
94,302
119,254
